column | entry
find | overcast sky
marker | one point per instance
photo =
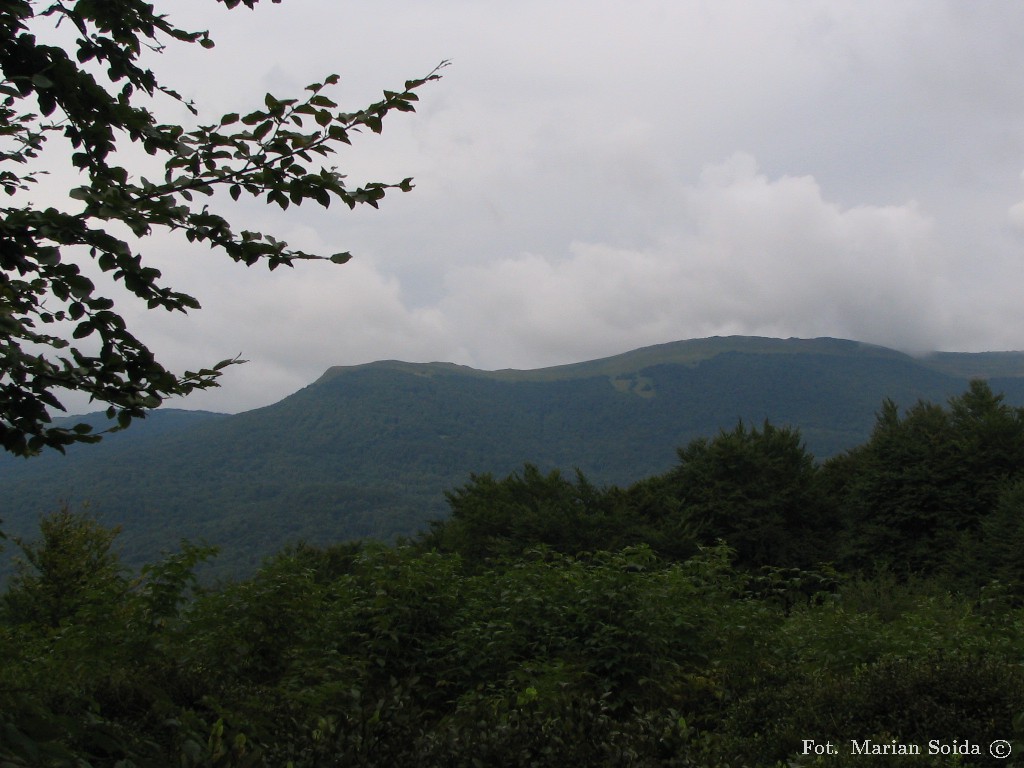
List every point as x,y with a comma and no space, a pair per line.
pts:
592,177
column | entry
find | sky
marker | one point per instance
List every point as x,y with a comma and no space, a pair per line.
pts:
593,177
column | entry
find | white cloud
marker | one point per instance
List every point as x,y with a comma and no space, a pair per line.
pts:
745,254
592,177
1015,216
751,255
292,325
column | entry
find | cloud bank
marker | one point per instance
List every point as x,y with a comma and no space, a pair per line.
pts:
744,254
594,177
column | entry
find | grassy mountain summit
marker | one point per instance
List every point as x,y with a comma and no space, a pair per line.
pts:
369,450
688,352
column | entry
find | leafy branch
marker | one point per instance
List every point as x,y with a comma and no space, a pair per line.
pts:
275,154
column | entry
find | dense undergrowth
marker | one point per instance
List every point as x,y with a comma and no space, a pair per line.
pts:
728,613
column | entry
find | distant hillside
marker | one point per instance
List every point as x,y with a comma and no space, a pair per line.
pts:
369,450
977,365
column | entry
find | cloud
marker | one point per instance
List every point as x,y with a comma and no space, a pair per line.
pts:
293,324
737,252
597,176
750,255
1015,216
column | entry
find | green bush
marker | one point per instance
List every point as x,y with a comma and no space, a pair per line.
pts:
913,700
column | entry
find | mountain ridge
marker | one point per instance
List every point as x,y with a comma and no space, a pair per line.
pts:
687,351
369,450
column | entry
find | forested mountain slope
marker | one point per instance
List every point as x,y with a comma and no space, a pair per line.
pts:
369,450
748,607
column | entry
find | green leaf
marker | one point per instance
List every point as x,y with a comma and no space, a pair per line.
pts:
97,104
48,256
263,129
338,133
79,286
47,104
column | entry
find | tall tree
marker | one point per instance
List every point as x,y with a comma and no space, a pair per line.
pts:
92,96
493,518
72,567
925,480
757,489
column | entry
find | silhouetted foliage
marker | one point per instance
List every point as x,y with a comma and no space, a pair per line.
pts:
93,90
